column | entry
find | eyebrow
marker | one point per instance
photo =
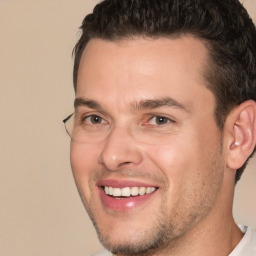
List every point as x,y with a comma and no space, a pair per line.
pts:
135,106
157,103
87,103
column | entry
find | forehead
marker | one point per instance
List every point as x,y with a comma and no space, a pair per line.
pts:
142,68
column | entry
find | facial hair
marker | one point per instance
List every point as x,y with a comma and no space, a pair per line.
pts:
166,228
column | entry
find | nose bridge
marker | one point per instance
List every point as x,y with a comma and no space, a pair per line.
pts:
119,149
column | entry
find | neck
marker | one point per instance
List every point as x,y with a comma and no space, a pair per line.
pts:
214,238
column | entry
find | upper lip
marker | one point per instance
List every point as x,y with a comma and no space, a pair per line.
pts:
122,183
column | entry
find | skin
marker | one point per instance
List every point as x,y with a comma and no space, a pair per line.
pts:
191,212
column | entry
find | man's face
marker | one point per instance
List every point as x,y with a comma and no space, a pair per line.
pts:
151,120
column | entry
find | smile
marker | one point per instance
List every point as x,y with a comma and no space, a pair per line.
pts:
128,191
122,196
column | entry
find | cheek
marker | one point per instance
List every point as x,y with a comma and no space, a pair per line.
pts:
170,157
182,162
174,162
84,159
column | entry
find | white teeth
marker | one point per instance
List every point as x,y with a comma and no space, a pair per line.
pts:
151,190
148,190
142,191
134,191
117,192
110,191
127,191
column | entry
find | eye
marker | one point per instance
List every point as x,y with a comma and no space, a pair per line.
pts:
159,120
94,119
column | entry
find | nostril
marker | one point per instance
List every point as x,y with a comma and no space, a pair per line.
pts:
125,163
116,153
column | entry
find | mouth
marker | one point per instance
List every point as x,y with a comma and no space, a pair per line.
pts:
127,191
123,196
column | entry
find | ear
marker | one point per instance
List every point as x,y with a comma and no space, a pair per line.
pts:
240,131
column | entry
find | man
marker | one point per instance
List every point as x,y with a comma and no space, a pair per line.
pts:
164,124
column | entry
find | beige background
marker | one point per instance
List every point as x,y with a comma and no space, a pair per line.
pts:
40,211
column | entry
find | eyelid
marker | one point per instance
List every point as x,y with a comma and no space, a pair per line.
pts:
88,116
170,120
82,114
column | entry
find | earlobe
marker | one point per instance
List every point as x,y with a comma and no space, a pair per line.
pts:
242,134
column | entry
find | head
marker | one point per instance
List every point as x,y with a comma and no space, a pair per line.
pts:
183,66
230,40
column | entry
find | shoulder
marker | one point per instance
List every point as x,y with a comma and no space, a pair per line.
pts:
247,246
102,253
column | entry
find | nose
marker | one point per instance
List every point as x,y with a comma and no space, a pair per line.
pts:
120,149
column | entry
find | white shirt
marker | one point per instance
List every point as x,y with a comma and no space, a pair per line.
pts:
102,253
246,247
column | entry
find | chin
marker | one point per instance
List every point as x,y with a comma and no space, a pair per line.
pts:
131,238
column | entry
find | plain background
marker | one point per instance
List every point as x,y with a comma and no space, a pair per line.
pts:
40,210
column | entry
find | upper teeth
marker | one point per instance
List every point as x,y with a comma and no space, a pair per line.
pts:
128,191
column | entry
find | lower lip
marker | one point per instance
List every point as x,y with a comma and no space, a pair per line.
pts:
123,204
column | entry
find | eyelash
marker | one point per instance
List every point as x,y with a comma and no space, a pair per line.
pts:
148,123
165,119
83,119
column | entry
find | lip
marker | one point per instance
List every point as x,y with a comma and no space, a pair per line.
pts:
122,183
123,204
